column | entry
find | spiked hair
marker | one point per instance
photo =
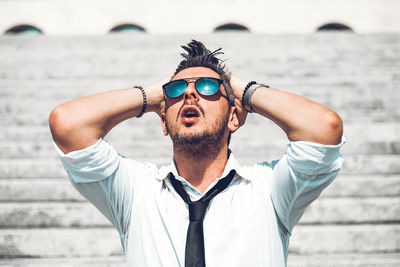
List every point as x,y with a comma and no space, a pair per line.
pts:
197,55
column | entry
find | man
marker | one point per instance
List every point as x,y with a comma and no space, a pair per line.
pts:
203,208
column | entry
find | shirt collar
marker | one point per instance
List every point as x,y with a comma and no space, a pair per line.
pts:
232,164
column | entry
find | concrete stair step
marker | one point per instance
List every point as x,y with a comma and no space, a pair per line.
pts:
52,168
363,210
352,111
63,88
94,65
15,133
51,189
141,147
340,97
284,69
354,131
361,164
363,186
98,261
348,116
345,239
27,190
45,149
377,93
345,260
39,215
323,211
148,125
31,168
131,139
318,50
51,242
336,260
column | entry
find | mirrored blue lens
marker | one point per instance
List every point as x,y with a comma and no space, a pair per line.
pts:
207,86
175,89
204,86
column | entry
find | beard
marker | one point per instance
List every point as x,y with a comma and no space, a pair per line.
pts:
202,143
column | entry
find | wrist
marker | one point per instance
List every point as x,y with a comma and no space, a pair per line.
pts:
248,92
155,98
144,105
237,87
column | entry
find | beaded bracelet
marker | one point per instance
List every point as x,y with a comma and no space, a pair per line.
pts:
244,99
144,101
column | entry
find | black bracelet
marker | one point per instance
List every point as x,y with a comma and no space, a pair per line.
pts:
244,92
144,101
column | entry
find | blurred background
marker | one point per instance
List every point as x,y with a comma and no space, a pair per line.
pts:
343,54
89,17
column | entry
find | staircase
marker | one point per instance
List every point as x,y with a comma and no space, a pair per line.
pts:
45,222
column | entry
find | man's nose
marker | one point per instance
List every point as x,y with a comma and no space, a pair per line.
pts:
190,93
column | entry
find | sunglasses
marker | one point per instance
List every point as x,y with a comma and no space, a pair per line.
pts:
205,86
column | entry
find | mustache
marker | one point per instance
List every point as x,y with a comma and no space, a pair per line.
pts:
189,104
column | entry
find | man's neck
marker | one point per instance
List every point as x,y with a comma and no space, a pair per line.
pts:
201,170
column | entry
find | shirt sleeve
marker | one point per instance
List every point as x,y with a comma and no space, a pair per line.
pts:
106,179
300,176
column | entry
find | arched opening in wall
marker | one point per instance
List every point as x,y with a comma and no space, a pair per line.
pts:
24,29
127,28
231,27
334,27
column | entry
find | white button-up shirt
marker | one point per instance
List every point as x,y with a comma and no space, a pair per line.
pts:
248,224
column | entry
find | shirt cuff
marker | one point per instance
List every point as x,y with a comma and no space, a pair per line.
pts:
92,163
312,158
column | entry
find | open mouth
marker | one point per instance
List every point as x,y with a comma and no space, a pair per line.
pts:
189,114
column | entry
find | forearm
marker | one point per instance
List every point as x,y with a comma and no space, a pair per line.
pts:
81,122
300,118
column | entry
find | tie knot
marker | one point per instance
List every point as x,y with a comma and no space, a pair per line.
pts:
197,210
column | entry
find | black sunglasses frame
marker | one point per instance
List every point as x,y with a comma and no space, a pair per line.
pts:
190,80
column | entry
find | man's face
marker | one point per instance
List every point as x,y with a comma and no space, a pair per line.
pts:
194,121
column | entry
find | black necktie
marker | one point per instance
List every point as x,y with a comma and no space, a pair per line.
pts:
194,252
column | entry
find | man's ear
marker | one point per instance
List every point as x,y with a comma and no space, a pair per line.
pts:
164,124
233,123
